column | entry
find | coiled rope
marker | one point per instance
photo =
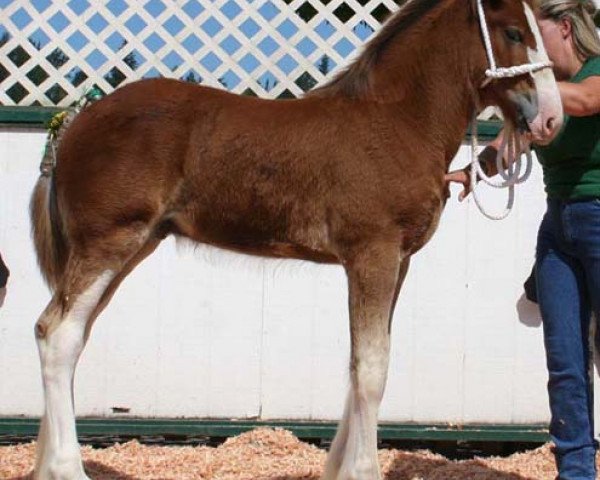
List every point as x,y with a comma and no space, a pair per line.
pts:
509,177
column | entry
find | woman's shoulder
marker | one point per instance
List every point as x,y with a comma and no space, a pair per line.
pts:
590,68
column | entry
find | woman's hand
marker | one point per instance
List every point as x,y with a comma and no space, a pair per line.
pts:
460,176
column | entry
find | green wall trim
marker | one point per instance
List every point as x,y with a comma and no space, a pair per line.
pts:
302,429
34,116
487,129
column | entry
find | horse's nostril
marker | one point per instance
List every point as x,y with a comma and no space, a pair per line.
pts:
550,123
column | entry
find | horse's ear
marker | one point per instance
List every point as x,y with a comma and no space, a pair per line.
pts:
491,4
473,8
495,4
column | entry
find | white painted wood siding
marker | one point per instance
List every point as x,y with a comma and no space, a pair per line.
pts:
204,333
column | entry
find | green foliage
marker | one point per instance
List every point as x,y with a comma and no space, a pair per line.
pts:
306,82
192,77
115,77
324,65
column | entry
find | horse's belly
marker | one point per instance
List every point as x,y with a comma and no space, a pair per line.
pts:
263,235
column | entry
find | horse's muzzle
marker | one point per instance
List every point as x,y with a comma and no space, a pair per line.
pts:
526,104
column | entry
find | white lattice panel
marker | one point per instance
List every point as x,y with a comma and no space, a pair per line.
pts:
53,51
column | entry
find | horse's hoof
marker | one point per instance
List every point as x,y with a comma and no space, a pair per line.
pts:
360,472
69,468
52,474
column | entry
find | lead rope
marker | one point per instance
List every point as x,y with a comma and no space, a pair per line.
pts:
508,179
511,142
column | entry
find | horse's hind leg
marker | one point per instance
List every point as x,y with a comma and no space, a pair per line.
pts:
61,333
374,279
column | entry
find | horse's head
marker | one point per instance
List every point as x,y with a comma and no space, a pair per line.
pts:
529,99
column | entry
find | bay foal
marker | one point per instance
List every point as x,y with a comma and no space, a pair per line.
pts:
351,174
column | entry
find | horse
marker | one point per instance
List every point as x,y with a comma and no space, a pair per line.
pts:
350,174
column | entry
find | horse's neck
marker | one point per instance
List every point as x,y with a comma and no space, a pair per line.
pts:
428,76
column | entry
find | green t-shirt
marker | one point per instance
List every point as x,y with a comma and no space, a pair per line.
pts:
571,162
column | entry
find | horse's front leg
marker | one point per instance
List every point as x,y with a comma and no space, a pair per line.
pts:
374,279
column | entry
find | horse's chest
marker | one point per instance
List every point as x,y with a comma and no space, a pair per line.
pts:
418,222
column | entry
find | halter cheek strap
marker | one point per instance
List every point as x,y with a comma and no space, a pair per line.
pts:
495,72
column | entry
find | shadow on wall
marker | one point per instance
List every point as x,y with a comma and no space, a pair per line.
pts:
530,316
4,274
529,312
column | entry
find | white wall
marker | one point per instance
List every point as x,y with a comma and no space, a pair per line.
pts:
210,334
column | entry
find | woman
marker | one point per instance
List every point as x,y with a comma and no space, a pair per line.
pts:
568,247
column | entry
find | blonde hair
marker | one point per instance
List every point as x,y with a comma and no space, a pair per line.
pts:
581,15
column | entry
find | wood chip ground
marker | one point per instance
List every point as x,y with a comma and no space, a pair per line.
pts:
273,454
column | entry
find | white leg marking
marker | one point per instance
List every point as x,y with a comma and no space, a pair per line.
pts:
353,454
58,450
360,459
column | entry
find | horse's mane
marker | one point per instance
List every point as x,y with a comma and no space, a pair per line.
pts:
354,79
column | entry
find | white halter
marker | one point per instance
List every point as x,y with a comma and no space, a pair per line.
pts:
495,72
510,141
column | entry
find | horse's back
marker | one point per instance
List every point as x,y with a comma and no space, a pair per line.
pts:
262,176
200,162
164,127
139,122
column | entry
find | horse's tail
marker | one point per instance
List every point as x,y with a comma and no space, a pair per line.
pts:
50,242
47,224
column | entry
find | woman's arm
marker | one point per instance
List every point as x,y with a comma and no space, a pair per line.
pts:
487,159
581,99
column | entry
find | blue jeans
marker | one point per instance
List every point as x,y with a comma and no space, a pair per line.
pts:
568,284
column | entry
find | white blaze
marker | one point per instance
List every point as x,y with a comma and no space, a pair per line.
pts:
549,102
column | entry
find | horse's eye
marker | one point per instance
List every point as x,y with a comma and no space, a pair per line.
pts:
514,35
